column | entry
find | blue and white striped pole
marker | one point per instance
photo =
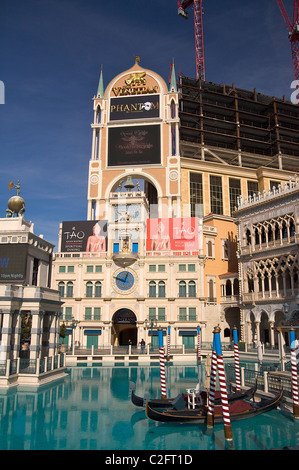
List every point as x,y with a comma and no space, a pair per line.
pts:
198,344
162,364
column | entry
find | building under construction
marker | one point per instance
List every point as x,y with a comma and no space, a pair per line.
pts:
237,127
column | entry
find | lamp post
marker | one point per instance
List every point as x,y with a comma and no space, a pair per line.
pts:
74,324
151,323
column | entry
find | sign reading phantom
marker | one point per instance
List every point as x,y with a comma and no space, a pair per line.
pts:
134,107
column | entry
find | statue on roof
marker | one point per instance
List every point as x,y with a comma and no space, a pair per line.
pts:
16,204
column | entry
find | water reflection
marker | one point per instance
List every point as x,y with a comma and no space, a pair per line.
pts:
91,409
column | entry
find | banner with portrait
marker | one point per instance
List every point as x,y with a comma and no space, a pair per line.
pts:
176,234
84,236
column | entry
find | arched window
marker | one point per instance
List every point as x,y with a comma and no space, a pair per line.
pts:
228,288
210,249
172,109
61,287
152,289
192,289
98,289
211,290
161,289
69,289
89,289
182,289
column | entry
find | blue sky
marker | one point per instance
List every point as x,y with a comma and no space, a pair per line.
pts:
50,59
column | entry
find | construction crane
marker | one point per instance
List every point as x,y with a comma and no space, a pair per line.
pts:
293,28
198,28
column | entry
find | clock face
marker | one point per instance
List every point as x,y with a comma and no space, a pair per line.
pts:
124,280
126,213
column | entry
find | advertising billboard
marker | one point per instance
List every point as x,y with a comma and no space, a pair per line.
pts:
13,262
84,236
135,107
177,234
136,145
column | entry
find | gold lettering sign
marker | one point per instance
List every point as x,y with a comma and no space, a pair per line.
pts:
135,85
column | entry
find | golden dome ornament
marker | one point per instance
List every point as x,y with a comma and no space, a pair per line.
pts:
16,204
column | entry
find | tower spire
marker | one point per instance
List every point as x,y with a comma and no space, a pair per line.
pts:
101,85
172,77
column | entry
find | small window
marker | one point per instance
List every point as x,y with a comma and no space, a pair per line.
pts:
152,268
88,311
62,269
191,268
70,269
182,268
161,268
99,269
97,313
182,314
161,313
68,313
192,314
152,313
89,269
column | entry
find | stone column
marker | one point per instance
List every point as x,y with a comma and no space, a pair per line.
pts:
16,346
52,335
272,340
5,345
36,333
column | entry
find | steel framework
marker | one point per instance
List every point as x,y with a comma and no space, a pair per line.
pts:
293,29
198,28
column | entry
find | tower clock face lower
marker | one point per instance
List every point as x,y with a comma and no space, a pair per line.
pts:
124,281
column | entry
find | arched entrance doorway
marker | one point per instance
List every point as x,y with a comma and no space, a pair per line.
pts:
124,327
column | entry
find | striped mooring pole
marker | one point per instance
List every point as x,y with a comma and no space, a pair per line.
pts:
237,363
224,400
211,398
198,344
168,343
294,374
162,364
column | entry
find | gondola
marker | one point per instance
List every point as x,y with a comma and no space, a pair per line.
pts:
168,402
239,410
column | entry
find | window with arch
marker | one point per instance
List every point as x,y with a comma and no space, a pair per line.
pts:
182,289
152,289
70,289
161,289
61,289
89,289
192,289
98,289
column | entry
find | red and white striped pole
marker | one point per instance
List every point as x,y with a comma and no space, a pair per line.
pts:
198,344
162,364
168,343
237,363
211,397
294,375
224,400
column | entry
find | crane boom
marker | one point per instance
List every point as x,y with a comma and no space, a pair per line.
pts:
293,29
198,28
